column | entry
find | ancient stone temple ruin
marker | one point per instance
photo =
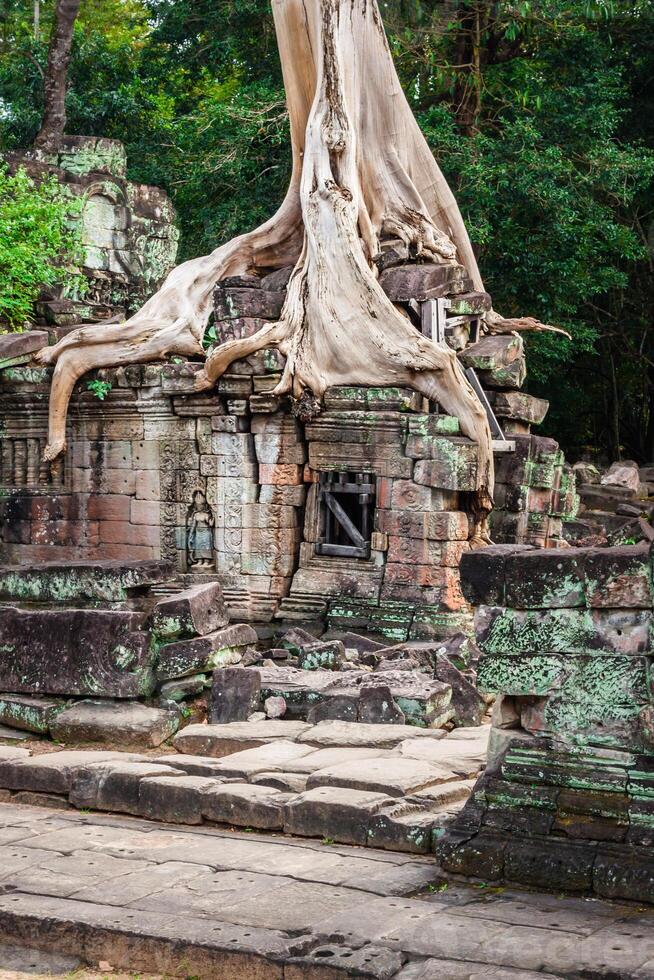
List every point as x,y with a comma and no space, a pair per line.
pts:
353,518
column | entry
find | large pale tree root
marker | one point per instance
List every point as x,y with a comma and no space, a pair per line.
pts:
362,173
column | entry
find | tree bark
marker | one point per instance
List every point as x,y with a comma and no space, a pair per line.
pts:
362,173
56,76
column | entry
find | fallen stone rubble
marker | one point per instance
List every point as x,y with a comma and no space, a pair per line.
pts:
616,506
388,786
117,654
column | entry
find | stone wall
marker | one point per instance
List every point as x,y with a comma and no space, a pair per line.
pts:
127,230
566,801
226,483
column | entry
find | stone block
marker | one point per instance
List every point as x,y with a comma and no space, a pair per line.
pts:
145,512
464,757
553,864
511,376
148,485
53,772
280,566
281,474
232,303
424,525
338,814
113,785
273,542
492,352
114,723
341,398
184,687
197,610
376,706
469,707
135,535
51,581
145,455
108,507
518,405
260,807
220,649
394,777
235,695
624,874
545,578
592,631
405,826
336,707
231,467
75,652
296,639
221,740
420,282
174,799
455,469
286,496
424,701
362,644
618,578
226,423
385,459
273,757
326,655
443,585
29,714
239,445
20,345
275,449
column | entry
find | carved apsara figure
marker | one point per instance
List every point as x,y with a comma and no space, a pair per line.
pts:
200,523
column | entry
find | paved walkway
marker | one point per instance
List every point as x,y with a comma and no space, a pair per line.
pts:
159,899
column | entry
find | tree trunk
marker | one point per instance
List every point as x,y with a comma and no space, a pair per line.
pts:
362,173
56,75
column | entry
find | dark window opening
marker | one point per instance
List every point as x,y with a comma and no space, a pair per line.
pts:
346,505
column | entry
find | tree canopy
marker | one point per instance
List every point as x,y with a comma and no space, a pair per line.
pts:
538,112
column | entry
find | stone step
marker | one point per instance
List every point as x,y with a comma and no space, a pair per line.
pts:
356,794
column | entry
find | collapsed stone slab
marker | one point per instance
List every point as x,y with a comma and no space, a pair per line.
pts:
30,714
235,695
193,612
107,581
82,652
114,723
320,695
221,648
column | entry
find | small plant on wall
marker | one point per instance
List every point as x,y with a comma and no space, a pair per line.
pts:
99,388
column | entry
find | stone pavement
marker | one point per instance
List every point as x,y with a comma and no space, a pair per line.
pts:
207,903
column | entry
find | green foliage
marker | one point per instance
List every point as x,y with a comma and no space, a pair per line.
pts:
539,112
37,241
99,388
